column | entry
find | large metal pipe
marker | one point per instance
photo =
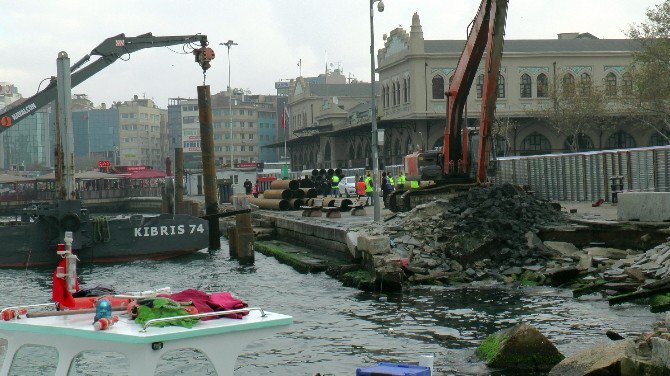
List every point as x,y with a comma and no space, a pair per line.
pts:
306,183
285,184
343,203
309,192
298,193
208,166
296,203
283,194
271,204
328,202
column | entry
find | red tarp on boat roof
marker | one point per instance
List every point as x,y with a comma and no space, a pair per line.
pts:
146,174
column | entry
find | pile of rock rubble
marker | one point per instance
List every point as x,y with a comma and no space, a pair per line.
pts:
486,232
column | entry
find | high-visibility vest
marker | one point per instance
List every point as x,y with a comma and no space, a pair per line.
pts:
334,181
413,184
368,185
391,181
401,179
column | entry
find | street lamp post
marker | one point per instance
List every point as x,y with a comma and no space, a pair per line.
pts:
229,44
373,110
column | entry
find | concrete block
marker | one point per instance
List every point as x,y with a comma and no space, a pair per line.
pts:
374,244
660,351
644,206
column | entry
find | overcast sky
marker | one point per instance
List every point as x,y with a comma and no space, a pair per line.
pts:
272,35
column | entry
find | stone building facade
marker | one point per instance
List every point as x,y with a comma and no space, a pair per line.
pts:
414,74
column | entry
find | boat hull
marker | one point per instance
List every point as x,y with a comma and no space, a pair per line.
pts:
104,240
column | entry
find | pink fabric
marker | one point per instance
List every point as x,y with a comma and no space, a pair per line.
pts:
219,301
224,301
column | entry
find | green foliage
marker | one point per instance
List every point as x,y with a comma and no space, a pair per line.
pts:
651,69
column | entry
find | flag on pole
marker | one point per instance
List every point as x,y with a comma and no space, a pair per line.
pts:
284,117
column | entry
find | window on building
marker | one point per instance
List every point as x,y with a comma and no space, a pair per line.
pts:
626,84
535,143
251,148
218,125
218,136
243,148
409,92
568,84
397,92
251,136
241,136
250,112
620,140
218,148
542,86
501,86
216,112
438,87
189,119
125,116
228,148
404,91
241,112
480,86
241,124
658,139
251,124
585,84
526,90
584,143
610,84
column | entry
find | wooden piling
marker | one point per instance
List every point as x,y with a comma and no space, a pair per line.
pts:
208,166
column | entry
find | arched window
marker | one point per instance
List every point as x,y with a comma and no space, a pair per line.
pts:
383,96
542,86
480,86
626,84
501,86
620,140
584,143
326,153
438,87
610,84
404,90
658,139
535,143
585,84
352,153
396,148
397,92
408,91
408,146
386,97
393,102
526,91
569,84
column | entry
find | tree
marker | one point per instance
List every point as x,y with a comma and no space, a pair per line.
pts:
650,70
502,132
575,110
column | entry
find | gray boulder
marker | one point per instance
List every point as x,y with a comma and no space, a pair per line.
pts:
603,359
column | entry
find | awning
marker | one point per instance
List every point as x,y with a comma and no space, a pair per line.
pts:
84,175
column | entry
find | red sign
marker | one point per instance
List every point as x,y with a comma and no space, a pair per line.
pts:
6,121
104,164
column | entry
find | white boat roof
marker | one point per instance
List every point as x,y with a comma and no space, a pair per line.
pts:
127,331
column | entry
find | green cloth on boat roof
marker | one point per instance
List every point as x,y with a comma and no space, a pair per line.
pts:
164,307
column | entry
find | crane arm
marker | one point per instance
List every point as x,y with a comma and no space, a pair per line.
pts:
110,50
486,34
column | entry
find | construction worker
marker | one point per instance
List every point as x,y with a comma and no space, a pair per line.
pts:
369,188
391,182
361,187
335,180
401,180
414,184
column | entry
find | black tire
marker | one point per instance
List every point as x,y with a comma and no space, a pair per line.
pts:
70,222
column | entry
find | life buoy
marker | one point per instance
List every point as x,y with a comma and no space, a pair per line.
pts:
70,222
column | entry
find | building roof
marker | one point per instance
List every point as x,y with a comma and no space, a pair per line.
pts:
340,90
542,45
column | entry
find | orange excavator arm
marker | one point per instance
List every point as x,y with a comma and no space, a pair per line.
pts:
486,35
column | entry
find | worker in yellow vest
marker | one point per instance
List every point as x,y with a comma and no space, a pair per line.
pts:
334,182
401,180
413,184
369,188
391,182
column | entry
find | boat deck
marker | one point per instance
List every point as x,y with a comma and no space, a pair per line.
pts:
221,340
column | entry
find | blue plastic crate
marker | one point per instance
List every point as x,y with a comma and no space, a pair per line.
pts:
393,369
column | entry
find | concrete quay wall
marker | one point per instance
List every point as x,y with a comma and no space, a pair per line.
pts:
311,233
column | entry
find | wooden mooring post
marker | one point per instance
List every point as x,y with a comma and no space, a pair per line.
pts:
208,167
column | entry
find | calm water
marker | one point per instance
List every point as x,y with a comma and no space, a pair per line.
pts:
338,329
